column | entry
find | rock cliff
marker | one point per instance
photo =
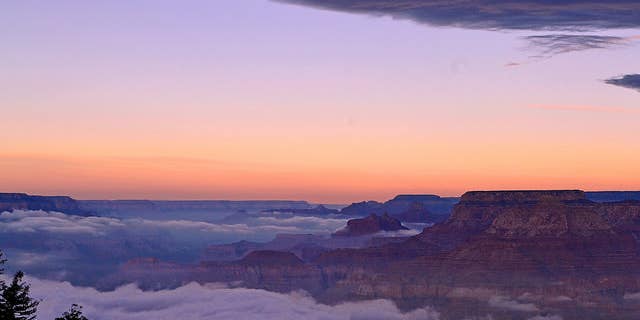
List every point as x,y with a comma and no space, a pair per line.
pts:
370,225
319,210
406,208
512,254
23,201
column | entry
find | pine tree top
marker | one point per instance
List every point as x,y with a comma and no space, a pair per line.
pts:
74,313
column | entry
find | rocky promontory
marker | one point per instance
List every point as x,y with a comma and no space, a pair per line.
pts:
370,225
23,201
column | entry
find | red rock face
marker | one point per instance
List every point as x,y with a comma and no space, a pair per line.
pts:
621,215
564,234
551,244
545,244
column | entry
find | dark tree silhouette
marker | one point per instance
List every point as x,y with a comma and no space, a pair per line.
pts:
2,261
2,286
16,304
75,313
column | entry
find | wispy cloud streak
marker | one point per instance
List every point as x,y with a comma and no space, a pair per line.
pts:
555,44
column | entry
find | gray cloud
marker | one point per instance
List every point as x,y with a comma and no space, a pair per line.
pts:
631,81
534,15
196,302
554,44
574,15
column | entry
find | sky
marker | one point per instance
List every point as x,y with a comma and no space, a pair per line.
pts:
323,100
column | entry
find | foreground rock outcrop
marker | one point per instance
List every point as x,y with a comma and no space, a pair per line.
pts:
508,254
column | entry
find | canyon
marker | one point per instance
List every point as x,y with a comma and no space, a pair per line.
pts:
364,232
510,254
421,208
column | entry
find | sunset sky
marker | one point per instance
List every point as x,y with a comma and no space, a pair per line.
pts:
260,99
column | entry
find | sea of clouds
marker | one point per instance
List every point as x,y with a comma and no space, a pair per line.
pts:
196,302
215,301
261,227
82,250
65,256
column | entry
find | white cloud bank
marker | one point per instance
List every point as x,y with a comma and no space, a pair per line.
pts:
197,302
59,223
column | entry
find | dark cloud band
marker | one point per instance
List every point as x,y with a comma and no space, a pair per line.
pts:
574,15
554,44
631,81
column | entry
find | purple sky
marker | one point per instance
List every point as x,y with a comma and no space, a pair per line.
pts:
326,105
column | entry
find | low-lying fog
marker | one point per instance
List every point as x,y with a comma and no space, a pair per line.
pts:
80,249
197,302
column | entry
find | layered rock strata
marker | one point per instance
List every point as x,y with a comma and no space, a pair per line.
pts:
510,254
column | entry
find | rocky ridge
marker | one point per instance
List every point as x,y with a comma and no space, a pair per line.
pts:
554,252
23,201
406,208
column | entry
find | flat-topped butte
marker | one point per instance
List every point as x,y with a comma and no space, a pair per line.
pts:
523,196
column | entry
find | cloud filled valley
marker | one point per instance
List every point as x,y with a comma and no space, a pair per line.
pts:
68,257
197,302
84,249
75,259
130,267
320,159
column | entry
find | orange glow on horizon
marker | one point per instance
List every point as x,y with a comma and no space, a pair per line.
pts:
331,164
326,180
